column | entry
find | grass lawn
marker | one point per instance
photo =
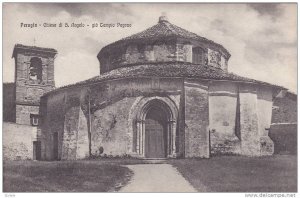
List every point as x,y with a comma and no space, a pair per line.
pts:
240,174
64,176
218,174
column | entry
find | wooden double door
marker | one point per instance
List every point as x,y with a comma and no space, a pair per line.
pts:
156,134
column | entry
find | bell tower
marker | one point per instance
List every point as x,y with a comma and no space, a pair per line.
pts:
34,76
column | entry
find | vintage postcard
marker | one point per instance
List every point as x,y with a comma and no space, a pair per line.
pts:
150,97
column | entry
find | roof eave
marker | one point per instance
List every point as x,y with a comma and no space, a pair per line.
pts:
33,48
83,84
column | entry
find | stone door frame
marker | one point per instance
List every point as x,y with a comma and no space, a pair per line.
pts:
140,111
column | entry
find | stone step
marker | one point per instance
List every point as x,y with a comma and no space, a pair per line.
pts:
155,160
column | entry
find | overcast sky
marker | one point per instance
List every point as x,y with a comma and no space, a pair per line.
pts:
262,38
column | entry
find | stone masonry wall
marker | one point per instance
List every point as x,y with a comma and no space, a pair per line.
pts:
285,109
264,110
82,149
283,130
28,91
110,103
249,125
69,143
284,137
75,143
65,117
53,113
264,105
133,53
196,119
18,141
112,129
23,113
224,137
160,52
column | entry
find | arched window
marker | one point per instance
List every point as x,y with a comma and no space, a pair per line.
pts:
35,69
198,55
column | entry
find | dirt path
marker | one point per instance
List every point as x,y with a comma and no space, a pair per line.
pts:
156,178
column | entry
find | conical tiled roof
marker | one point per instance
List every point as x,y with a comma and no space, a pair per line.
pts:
164,30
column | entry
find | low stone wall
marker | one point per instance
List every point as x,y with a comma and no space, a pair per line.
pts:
284,136
18,141
285,109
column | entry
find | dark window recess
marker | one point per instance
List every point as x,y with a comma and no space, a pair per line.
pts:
198,55
55,146
35,69
34,119
37,150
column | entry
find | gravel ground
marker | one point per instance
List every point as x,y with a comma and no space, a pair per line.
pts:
156,178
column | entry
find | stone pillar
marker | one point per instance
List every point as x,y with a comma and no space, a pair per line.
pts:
173,140
75,144
138,126
196,119
143,138
139,138
250,139
70,134
265,103
224,139
82,150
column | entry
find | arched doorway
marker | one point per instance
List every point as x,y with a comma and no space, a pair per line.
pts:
156,133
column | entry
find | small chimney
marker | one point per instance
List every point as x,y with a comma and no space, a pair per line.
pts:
163,18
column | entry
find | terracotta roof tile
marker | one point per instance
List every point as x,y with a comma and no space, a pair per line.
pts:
164,29
43,49
171,69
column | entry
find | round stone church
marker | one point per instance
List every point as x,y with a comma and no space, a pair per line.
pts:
162,93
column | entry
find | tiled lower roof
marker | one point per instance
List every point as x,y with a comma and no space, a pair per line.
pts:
170,69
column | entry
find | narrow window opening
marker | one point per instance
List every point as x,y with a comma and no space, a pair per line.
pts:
34,119
198,55
35,70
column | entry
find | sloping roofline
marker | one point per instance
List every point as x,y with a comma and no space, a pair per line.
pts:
33,48
166,70
163,30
